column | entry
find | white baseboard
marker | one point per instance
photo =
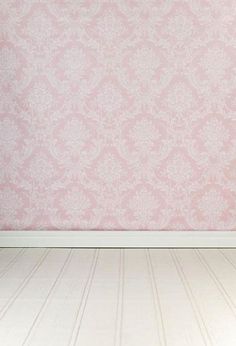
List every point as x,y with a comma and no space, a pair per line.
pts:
117,239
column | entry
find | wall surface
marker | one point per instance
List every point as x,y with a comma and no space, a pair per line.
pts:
118,114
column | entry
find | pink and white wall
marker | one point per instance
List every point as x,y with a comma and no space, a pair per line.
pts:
118,114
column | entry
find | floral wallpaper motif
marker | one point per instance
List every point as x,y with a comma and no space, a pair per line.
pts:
118,114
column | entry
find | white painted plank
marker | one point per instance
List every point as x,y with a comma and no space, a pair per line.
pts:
16,275
7,258
139,324
16,321
120,302
99,319
222,272
230,256
121,297
53,325
179,319
212,307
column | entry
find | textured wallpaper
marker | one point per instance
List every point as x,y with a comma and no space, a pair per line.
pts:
118,114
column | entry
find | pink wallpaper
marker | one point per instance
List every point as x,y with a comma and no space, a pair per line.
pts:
118,114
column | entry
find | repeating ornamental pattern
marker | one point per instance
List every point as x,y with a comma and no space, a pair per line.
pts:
118,114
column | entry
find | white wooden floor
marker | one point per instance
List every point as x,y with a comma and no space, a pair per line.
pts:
113,297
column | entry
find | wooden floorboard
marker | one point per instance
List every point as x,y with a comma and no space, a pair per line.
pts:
117,297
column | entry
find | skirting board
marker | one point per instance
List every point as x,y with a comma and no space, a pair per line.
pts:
119,239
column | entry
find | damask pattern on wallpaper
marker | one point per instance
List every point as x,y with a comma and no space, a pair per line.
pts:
118,114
